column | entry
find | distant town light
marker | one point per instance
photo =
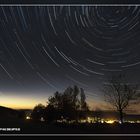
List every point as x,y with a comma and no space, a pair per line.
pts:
90,119
28,117
42,119
110,121
137,121
120,122
131,121
102,121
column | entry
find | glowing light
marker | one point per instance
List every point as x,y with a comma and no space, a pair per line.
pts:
120,122
42,119
82,121
28,117
131,121
89,119
102,121
110,121
138,121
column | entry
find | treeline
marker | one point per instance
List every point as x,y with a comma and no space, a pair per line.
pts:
69,105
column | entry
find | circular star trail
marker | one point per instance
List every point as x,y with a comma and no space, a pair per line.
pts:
47,48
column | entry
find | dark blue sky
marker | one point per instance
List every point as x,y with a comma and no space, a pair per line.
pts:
47,48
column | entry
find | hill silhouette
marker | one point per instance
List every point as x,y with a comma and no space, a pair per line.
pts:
10,114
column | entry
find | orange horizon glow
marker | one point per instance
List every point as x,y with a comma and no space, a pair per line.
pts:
19,102
15,102
29,102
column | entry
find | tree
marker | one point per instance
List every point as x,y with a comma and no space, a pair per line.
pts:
98,115
120,94
83,105
51,114
38,112
68,103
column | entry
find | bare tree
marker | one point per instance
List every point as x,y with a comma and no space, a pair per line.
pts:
120,94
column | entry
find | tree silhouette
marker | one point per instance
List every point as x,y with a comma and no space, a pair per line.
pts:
68,104
51,114
98,115
38,112
83,105
120,94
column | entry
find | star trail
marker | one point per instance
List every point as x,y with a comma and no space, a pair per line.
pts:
47,48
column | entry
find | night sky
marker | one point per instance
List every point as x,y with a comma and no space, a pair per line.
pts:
48,48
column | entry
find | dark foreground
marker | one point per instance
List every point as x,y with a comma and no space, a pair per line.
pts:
28,127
